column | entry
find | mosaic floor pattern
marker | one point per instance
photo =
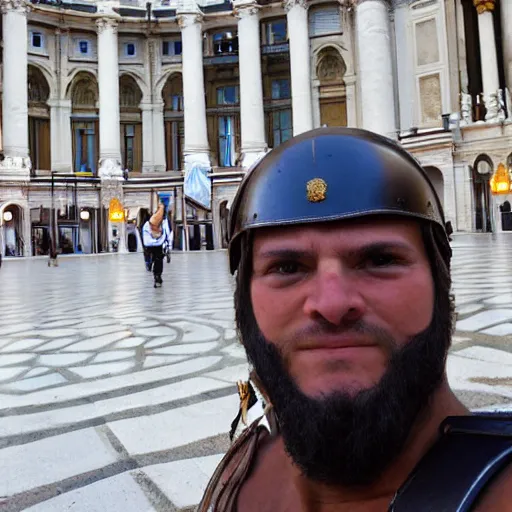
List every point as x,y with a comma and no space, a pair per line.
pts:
115,396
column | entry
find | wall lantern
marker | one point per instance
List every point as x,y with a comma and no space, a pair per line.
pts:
85,215
500,181
7,216
116,211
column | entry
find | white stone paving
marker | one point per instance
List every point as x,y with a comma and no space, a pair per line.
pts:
107,368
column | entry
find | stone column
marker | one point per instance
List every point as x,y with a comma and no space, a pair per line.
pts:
61,145
351,93
110,170
490,77
194,101
159,137
108,85
506,34
251,88
147,137
300,64
375,67
14,95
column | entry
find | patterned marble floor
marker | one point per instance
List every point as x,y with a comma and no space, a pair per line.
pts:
115,396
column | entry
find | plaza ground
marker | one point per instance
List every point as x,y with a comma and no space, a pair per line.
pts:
116,396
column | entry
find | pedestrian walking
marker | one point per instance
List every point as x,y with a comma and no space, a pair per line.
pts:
343,305
157,237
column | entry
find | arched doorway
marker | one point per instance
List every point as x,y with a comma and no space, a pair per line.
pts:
38,120
172,94
12,231
436,177
482,171
224,223
330,70
85,122
130,97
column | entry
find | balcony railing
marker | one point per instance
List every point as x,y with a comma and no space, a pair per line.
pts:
270,49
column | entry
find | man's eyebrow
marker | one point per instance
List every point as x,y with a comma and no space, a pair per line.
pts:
291,254
364,250
376,247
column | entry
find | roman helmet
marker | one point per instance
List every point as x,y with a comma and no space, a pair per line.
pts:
331,174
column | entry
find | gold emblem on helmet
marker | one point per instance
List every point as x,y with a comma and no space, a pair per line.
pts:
317,190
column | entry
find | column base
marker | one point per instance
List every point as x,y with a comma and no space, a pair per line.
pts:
250,158
110,169
15,168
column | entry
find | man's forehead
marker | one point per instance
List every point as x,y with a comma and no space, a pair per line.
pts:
348,232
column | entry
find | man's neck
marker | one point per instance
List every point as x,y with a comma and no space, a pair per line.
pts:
317,497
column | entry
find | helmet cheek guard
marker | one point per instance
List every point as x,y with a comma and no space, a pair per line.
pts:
332,174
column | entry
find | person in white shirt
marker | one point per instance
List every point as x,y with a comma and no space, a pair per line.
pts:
157,237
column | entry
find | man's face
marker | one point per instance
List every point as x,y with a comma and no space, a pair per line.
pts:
337,300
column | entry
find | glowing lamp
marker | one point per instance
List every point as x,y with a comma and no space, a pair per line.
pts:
116,211
7,216
500,181
85,215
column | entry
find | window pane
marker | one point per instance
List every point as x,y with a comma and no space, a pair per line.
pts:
285,89
229,95
165,48
277,138
178,48
324,20
220,95
278,29
286,135
130,49
275,90
275,121
285,119
130,130
84,47
36,40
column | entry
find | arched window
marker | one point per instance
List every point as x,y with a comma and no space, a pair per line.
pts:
130,97
172,95
38,120
85,123
330,70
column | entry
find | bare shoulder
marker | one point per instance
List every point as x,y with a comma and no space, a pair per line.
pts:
499,496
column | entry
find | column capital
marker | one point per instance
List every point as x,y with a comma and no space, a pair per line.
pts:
484,5
243,8
355,3
188,19
290,4
21,6
105,23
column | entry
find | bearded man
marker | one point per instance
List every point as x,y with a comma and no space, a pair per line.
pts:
343,306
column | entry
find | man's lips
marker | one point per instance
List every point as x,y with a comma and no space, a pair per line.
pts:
333,342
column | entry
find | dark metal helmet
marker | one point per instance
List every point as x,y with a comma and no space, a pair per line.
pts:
331,174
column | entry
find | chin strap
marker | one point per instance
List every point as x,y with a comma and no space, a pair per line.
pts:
470,452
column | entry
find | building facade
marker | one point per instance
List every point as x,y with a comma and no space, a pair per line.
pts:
106,100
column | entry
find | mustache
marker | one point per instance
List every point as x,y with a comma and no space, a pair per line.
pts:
358,329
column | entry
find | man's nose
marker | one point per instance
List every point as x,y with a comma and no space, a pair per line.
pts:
335,296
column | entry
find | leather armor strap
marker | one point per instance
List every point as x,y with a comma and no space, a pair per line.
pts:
452,475
222,492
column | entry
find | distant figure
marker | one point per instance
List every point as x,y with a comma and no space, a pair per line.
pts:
449,230
156,236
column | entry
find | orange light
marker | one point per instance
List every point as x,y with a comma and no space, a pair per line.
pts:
500,181
116,212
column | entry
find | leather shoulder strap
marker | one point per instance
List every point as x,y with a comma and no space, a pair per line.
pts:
470,452
222,492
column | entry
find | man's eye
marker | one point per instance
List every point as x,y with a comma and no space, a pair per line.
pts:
381,260
287,267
